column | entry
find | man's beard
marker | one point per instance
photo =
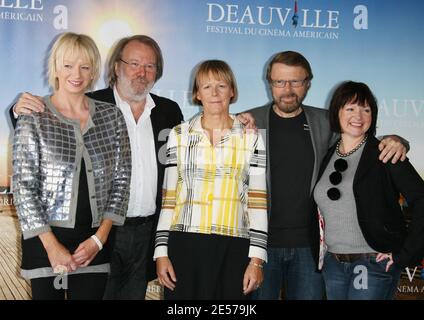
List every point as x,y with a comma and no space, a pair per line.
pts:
289,107
129,88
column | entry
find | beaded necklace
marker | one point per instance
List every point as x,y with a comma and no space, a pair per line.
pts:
344,155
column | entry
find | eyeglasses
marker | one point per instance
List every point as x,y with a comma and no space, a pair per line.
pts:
293,83
148,67
340,165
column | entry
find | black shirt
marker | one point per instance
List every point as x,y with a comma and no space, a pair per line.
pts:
291,164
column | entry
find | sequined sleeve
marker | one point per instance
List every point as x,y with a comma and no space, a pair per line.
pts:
26,180
116,208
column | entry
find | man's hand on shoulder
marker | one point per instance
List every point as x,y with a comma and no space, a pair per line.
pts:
391,147
28,103
247,120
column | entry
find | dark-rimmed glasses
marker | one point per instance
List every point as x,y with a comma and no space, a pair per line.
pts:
292,83
148,67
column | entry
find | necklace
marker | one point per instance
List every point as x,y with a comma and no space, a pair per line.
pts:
344,155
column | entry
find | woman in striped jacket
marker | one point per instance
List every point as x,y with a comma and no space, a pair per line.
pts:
212,232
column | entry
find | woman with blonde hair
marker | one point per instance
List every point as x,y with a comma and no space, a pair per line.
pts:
71,176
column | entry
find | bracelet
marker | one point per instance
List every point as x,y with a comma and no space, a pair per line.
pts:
256,264
97,241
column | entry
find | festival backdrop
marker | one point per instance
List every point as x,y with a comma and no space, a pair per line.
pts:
379,42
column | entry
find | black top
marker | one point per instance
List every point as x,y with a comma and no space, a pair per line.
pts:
35,256
291,163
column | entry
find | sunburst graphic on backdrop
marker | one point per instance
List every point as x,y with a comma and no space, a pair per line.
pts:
111,22
112,30
110,27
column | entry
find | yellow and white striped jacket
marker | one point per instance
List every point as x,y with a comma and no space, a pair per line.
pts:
217,189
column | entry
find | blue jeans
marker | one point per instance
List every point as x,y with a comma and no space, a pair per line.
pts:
364,279
291,269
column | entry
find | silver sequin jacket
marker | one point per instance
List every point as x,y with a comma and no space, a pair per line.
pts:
47,153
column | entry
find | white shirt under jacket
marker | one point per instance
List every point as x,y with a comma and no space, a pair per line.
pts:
144,177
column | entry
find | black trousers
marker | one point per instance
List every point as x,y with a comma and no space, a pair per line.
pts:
128,262
207,267
85,286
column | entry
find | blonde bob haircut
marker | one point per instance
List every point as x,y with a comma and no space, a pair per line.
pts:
218,69
72,43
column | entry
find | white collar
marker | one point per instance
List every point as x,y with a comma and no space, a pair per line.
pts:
150,104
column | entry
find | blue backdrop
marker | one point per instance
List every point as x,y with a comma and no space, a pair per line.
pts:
377,42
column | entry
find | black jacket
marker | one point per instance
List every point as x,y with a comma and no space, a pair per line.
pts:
376,188
165,115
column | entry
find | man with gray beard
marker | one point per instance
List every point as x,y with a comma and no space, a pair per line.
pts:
135,64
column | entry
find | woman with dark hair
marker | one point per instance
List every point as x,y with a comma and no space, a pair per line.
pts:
360,219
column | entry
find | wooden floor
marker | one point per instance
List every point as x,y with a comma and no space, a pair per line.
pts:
12,286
